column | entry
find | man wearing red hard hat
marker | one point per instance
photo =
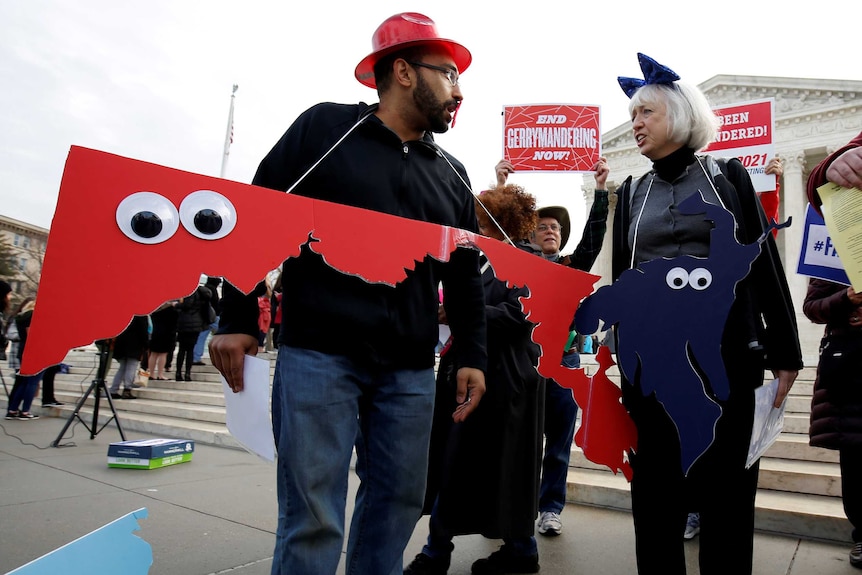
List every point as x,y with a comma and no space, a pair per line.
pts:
356,360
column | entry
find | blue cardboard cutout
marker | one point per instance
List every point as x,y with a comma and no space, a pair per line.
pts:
110,549
669,315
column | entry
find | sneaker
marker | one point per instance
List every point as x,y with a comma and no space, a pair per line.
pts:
426,565
54,403
198,362
856,555
127,394
692,526
502,561
27,416
550,524
11,415
115,395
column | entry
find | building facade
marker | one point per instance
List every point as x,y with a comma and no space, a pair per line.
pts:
26,245
813,118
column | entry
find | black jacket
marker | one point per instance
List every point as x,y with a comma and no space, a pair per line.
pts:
194,311
325,310
486,469
130,344
836,410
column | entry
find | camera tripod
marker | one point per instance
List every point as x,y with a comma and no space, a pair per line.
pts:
97,388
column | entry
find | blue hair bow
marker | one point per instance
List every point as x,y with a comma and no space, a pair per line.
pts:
654,73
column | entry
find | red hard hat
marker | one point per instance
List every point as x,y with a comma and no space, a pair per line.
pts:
404,30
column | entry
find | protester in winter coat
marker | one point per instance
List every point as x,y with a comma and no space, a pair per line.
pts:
212,283
128,347
836,406
25,388
5,296
193,318
162,340
843,167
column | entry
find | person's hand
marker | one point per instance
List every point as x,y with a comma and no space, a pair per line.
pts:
601,169
786,377
855,319
470,389
855,298
441,315
503,169
227,352
774,167
846,169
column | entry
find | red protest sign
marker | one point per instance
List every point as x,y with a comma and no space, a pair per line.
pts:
746,132
747,124
552,137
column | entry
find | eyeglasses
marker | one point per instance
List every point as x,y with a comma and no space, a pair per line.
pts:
546,227
451,75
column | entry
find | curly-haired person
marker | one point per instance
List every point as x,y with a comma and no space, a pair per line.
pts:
499,447
513,209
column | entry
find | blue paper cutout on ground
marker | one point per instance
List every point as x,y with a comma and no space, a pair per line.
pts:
108,550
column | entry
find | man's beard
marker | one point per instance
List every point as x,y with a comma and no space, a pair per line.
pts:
431,109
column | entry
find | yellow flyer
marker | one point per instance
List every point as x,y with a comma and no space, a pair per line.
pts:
842,212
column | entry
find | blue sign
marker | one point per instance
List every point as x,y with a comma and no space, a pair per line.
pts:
818,257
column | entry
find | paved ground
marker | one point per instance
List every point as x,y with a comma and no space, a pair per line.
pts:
216,514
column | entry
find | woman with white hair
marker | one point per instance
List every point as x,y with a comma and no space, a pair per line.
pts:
671,123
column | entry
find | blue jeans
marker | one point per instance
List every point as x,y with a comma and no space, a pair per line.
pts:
198,352
322,406
23,392
561,412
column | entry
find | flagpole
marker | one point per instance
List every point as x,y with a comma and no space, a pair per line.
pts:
228,138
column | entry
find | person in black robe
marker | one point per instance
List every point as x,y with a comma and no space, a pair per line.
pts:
484,472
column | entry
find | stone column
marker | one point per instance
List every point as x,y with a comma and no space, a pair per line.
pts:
793,196
795,199
602,266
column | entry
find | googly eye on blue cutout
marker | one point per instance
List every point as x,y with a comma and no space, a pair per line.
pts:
700,278
147,218
677,278
207,215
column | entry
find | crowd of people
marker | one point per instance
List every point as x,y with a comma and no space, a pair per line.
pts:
489,439
479,431
482,445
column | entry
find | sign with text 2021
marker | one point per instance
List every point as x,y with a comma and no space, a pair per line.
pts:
552,137
746,132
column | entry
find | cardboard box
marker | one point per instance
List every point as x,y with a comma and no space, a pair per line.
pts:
150,453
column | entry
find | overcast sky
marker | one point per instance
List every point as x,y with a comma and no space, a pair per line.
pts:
152,80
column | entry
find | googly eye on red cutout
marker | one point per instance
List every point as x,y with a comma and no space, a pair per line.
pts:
207,215
147,218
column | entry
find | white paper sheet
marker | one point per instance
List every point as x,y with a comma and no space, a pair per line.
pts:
248,417
768,421
443,334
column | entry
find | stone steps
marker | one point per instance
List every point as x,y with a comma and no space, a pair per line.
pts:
799,490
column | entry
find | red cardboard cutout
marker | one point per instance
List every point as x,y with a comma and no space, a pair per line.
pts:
91,276
607,431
